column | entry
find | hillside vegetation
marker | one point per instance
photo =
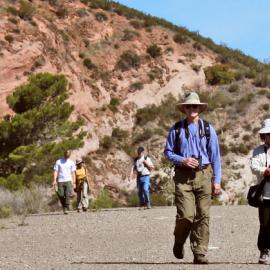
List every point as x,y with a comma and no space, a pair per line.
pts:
101,78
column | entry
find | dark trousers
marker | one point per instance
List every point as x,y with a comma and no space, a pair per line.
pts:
264,233
64,192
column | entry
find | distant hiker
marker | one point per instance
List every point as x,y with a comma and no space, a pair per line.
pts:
64,178
82,186
260,163
192,145
142,166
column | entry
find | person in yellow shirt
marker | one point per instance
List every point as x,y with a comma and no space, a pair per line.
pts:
82,186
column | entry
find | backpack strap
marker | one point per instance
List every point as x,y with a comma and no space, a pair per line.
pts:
206,132
177,127
203,131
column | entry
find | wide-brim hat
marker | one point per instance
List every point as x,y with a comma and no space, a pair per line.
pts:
192,98
265,126
79,161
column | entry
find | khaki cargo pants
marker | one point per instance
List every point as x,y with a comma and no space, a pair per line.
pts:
193,199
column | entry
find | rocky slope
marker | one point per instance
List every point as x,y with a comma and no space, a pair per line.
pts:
89,41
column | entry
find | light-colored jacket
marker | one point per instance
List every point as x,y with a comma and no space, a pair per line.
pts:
258,161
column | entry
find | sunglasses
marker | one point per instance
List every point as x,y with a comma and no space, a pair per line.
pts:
192,106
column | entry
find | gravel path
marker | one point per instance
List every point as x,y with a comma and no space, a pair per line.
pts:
125,239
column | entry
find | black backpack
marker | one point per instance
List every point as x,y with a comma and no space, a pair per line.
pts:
184,124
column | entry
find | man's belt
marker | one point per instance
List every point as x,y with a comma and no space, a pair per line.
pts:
183,168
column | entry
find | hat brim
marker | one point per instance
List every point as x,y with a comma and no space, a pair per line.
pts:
264,130
202,106
77,163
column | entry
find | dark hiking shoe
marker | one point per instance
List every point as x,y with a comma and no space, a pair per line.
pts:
178,250
263,257
200,259
84,209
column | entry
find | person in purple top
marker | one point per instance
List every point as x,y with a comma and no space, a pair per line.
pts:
192,146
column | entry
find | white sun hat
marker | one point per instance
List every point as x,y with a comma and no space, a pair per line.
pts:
192,98
265,126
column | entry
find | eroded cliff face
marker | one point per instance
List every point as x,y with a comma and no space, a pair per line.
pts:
86,45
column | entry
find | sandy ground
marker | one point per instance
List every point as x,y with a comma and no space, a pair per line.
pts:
125,239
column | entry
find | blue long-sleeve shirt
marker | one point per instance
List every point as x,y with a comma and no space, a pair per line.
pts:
194,146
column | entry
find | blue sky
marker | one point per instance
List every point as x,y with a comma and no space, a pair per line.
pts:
240,24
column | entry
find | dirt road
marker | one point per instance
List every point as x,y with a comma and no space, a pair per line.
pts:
125,239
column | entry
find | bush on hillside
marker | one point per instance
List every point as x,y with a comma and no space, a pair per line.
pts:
61,12
89,64
219,74
129,35
128,60
114,103
26,10
136,86
262,80
154,51
180,38
9,38
101,17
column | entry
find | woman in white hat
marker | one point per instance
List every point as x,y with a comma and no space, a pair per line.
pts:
260,162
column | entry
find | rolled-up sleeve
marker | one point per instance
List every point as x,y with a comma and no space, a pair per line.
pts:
170,148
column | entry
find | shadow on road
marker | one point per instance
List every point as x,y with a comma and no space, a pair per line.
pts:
158,263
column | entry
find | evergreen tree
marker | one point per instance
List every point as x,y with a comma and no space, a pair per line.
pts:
38,133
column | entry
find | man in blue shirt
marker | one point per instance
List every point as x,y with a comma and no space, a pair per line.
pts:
192,145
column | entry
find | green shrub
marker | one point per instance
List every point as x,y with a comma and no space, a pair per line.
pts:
106,142
197,46
13,182
146,114
12,10
180,38
132,199
240,149
265,107
119,134
145,135
114,104
128,60
103,200
233,88
262,80
224,149
136,86
136,24
129,35
251,74
219,74
196,68
5,212
246,137
81,12
9,38
61,12
81,55
26,10
88,63
158,199
154,51
13,20
101,17
155,73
